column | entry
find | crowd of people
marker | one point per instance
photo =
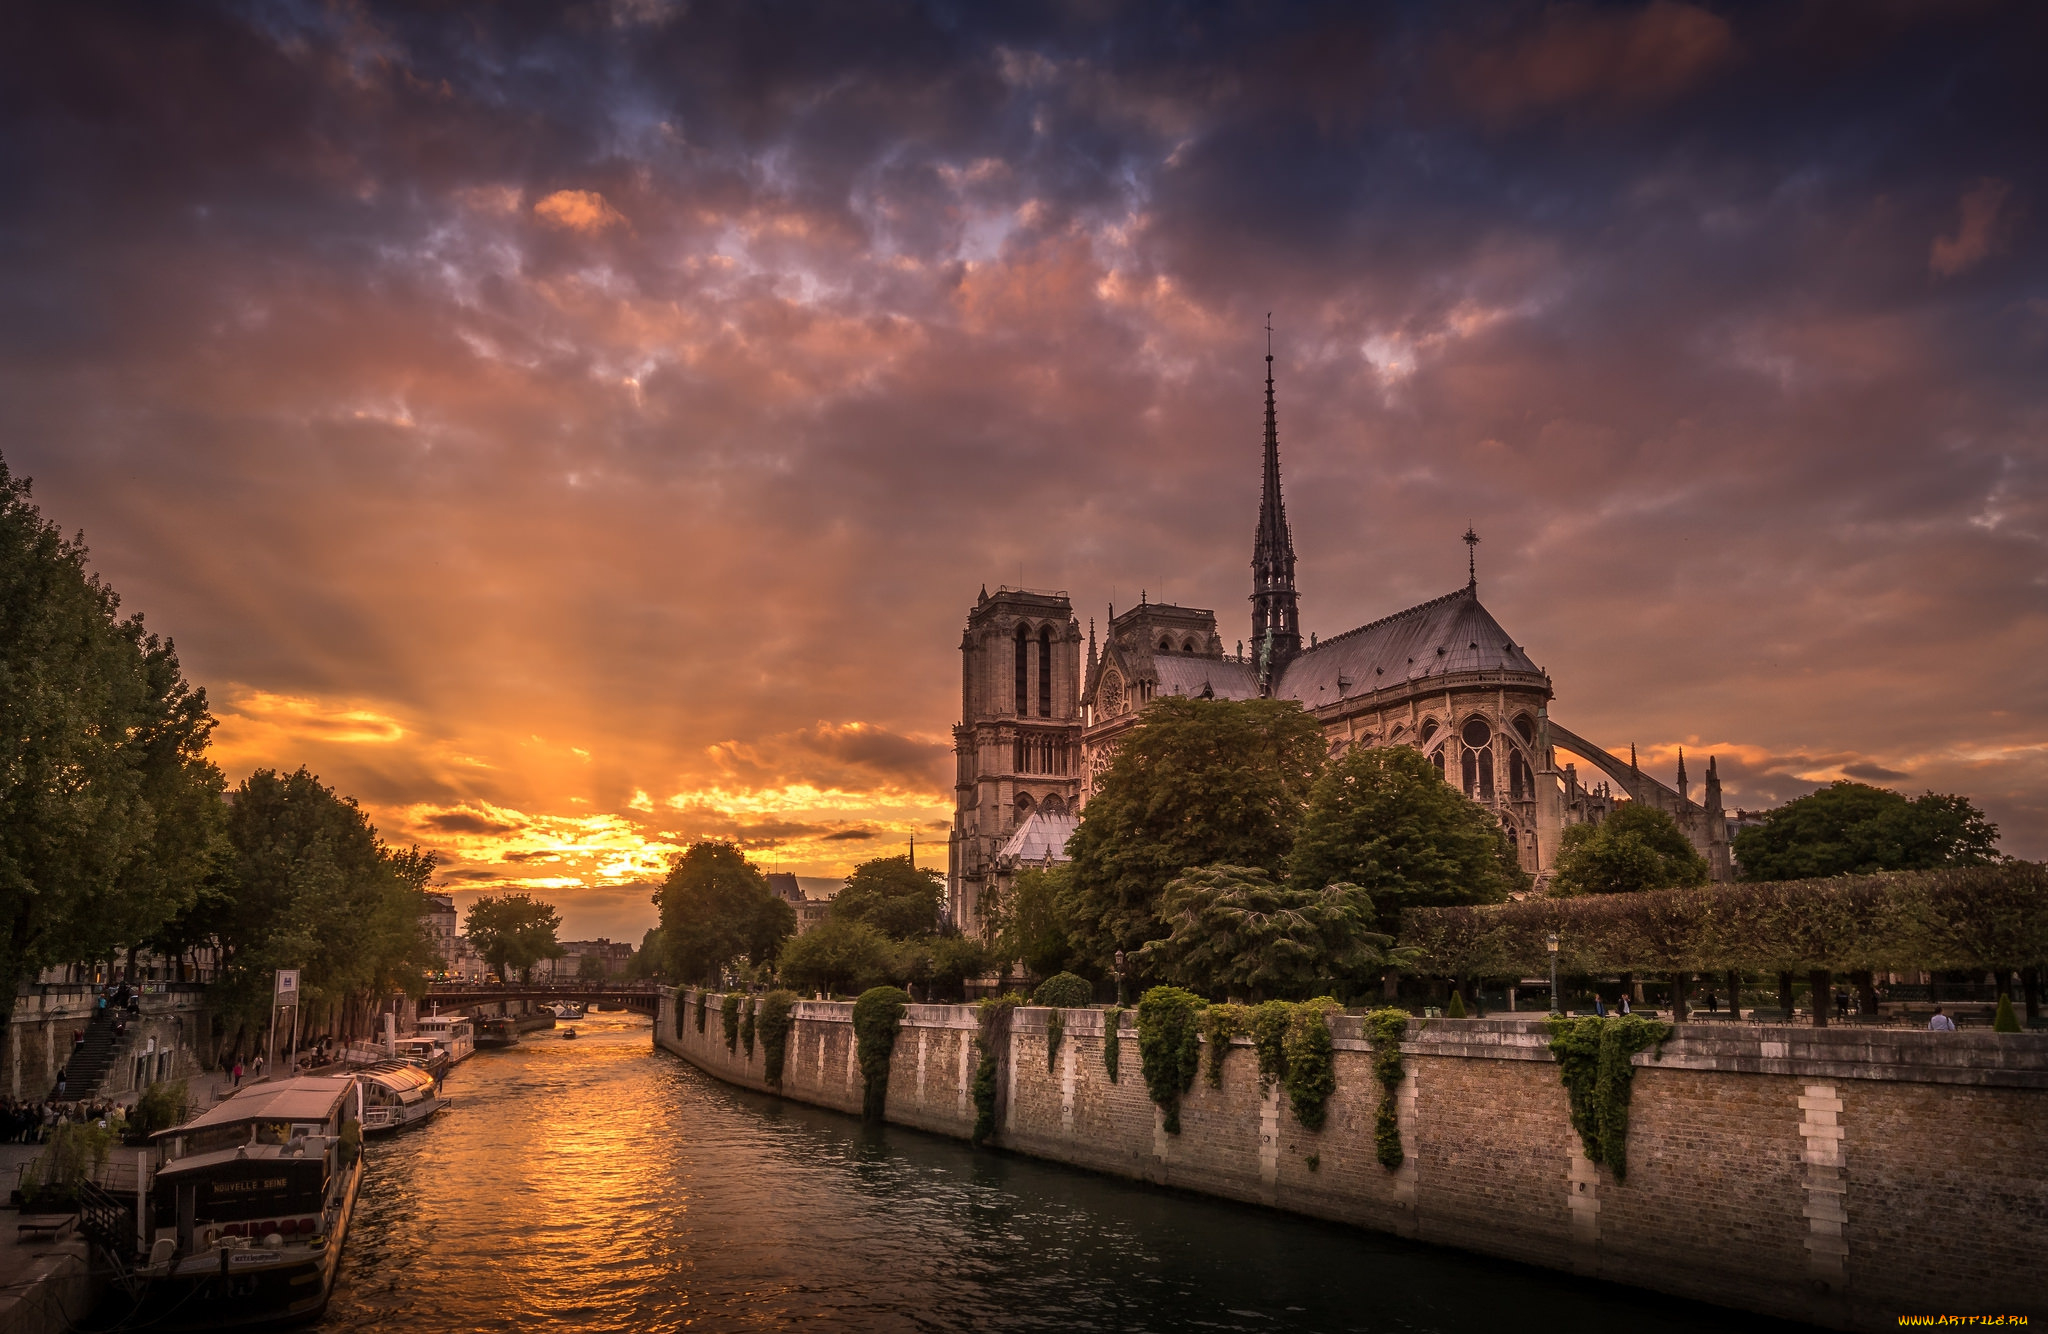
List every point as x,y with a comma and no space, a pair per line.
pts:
24,1121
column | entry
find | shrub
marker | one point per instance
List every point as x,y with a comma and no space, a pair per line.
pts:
1112,1040
1221,1023
1311,1075
1593,1060
729,1020
2005,1021
1385,1030
992,1017
773,1027
1064,991
74,1151
747,1025
876,1017
1170,1047
160,1107
1456,1009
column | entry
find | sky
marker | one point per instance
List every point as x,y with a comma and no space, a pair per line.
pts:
578,430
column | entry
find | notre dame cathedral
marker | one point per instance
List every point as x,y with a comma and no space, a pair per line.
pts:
1040,721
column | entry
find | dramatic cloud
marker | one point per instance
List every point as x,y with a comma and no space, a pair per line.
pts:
578,437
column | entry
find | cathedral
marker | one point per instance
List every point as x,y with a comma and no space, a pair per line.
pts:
1041,717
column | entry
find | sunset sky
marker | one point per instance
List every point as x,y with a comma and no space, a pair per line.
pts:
576,436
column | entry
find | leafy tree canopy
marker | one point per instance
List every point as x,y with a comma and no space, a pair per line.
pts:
896,898
716,907
513,932
1383,819
1855,829
650,958
1195,783
1637,847
1235,931
1032,924
110,815
838,956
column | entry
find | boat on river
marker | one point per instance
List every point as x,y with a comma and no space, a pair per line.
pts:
248,1211
397,1094
568,1035
567,1010
450,1039
496,1031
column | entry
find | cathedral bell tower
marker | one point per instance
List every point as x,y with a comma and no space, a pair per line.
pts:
1276,614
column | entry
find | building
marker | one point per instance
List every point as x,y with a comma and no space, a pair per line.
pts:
609,959
439,920
1442,676
810,901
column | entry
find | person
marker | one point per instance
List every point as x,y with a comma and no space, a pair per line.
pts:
1599,1006
1713,1003
1624,1004
238,1074
1940,1023
60,1086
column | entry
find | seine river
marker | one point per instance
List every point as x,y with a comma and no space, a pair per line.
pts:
598,1185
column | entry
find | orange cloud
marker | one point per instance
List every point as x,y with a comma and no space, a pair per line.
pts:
1978,232
584,211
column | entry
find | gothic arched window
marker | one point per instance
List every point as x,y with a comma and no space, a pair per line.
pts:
1526,728
1518,775
1166,646
1486,775
1188,647
1023,669
1045,672
1438,760
1475,733
1468,770
1428,731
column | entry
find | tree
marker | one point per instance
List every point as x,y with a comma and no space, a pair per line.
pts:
590,965
1638,847
1855,829
893,896
1235,931
309,885
840,955
1031,924
650,958
1383,818
110,815
513,932
716,907
1195,783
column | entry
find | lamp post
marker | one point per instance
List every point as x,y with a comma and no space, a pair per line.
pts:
1120,977
1555,1008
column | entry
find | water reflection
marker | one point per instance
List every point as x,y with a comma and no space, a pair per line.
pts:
595,1185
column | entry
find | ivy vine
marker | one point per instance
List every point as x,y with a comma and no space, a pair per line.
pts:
1593,1060
1221,1023
1311,1072
877,1016
703,1001
1384,1031
682,1010
1059,993
1055,1029
1170,1047
748,1009
729,1019
992,1025
1269,1040
1112,1040
774,1026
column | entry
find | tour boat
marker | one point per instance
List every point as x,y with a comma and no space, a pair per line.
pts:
567,1010
247,1215
398,1094
452,1035
496,1031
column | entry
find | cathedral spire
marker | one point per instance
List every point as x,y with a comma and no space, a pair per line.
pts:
1471,540
1276,615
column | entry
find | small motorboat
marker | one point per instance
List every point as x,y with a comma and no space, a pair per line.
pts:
568,1033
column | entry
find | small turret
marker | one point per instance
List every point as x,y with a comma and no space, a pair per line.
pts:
1683,786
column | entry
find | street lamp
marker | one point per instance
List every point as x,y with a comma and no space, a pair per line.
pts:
1551,941
1120,977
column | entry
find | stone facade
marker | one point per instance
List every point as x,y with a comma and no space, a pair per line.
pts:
165,1040
1842,1177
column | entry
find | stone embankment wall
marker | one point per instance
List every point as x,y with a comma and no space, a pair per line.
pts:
1842,1176
165,1041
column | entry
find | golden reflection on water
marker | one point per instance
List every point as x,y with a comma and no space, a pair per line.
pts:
597,1185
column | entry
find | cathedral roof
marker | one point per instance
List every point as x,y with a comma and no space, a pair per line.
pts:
1042,837
1224,678
1444,636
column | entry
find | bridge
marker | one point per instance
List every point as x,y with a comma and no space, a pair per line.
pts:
525,997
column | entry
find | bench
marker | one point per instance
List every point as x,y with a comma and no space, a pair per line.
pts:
47,1227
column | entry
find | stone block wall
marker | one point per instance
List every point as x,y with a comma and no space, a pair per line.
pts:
1840,1176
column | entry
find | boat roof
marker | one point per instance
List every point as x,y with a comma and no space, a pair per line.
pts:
199,1162
307,1098
396,1076
438,1020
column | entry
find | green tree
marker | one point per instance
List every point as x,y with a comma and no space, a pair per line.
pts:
513,932
1235,931
1195,783
1638,847
896,898
1855,829
716,907
1383,819
309,885
840,955
650,959
1031,924
110,815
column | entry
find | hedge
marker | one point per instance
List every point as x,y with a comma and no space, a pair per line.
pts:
1904,921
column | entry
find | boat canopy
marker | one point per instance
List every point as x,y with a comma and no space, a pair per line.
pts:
408,1082
307,1099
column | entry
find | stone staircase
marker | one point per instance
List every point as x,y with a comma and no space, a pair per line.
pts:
93,1058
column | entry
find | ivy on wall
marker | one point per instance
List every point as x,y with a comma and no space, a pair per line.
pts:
1269,1040
1170,1047
703,1002
1221,1023
777,1007
1593,1060
1112,1040
729,1019
1059,993
1311,1073
992,1035
877,1016
681,1012
1384,1031
747,1025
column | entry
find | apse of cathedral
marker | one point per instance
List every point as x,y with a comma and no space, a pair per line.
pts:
1041,719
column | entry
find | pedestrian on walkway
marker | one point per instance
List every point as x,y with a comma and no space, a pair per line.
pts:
1940,1023
238,1074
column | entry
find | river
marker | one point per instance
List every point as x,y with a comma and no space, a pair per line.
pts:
599,1185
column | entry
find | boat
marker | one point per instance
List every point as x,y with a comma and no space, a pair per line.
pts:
249,1210
569,1034
496,1031
397,1094
453,1037
567,1010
